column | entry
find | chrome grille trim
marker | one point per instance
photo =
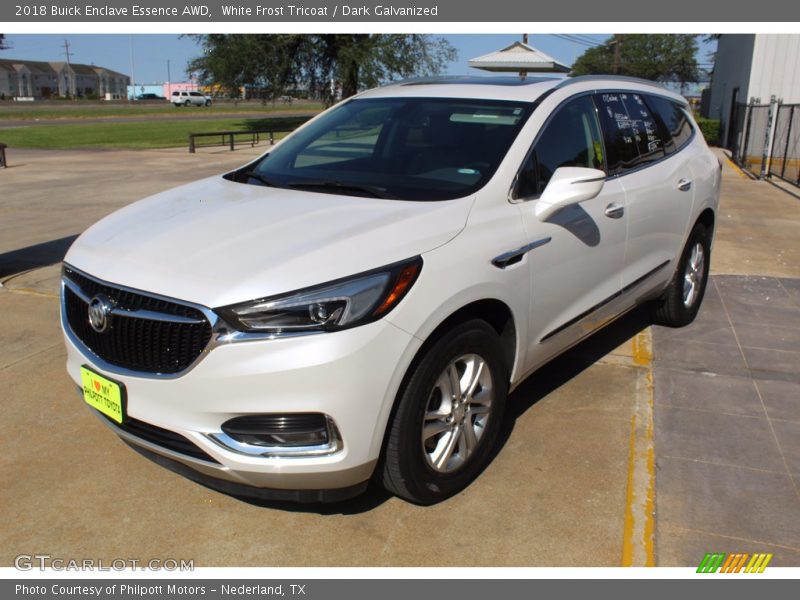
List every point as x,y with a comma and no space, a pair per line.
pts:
218,327
150,315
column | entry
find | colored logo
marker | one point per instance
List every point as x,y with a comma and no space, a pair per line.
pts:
734,563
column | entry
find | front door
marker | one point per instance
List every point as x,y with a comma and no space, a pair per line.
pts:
575,268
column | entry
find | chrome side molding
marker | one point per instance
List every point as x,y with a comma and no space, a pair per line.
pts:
514,256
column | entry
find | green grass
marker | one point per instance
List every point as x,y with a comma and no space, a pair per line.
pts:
79,110
136,136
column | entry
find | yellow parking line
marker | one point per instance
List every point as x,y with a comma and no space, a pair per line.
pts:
639,525
642,356
650,502
736,168
30,292
627,532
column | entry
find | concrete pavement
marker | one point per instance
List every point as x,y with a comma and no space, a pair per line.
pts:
727,391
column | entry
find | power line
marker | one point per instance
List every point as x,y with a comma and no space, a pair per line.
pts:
587,39
574,41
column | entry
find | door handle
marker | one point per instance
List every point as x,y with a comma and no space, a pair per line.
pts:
614,210
685,185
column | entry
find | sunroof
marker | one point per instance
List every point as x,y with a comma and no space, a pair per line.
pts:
504,81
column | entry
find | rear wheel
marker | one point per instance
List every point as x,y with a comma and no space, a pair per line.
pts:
448,416
680,302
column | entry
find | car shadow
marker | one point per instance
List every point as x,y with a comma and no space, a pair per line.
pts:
33,257
569,365
541,383
372,498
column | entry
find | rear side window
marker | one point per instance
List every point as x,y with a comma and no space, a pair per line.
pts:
632,135
677,128
571,139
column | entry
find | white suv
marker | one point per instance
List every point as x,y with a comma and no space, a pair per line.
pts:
184,98
358,302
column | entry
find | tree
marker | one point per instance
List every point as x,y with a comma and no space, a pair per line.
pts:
231,61
278,62
3,43
658,57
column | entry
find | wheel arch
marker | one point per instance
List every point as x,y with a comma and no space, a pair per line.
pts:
707,218
495,312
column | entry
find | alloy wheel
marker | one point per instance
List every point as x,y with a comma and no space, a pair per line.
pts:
457,412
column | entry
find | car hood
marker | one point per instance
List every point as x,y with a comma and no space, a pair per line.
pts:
216,242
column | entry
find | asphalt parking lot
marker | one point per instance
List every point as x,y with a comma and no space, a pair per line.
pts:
641,446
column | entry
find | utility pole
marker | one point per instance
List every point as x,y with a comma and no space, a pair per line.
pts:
70,82
523,73
169,83
133,76
617,52
67,53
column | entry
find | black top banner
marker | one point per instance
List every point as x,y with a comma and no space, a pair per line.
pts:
415,11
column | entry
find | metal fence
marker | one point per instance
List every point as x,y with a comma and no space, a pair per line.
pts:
785,155
766,140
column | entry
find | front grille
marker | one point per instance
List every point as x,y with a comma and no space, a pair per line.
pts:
162,437
150,345
275,424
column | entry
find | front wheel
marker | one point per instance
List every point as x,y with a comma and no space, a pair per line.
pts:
680,302
448,416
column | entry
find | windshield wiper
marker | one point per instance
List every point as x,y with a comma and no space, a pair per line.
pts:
340,186
258,176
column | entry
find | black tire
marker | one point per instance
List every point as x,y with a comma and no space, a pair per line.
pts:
407,468
672,309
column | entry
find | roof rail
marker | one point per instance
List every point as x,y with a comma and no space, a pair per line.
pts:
584,78
621,78
473,79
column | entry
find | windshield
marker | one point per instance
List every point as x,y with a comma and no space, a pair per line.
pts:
400,148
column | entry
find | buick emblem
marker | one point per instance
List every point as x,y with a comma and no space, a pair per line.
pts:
100,313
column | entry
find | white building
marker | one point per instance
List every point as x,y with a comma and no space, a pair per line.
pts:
753,66
37,79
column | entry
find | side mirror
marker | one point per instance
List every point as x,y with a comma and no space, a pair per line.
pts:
569,185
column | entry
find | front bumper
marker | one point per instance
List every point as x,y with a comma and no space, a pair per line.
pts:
352,376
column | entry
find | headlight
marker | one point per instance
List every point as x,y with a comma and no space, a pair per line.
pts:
331,306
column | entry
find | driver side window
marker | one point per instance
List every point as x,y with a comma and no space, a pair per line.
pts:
571,139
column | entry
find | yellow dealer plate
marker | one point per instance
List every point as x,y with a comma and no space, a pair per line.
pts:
103,394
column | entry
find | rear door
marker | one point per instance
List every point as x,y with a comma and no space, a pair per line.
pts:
646,140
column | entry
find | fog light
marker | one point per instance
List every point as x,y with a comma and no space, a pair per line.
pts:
281,431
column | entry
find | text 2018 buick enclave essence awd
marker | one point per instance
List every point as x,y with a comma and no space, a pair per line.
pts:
358,302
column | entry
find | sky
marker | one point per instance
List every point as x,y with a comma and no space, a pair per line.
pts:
151,53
